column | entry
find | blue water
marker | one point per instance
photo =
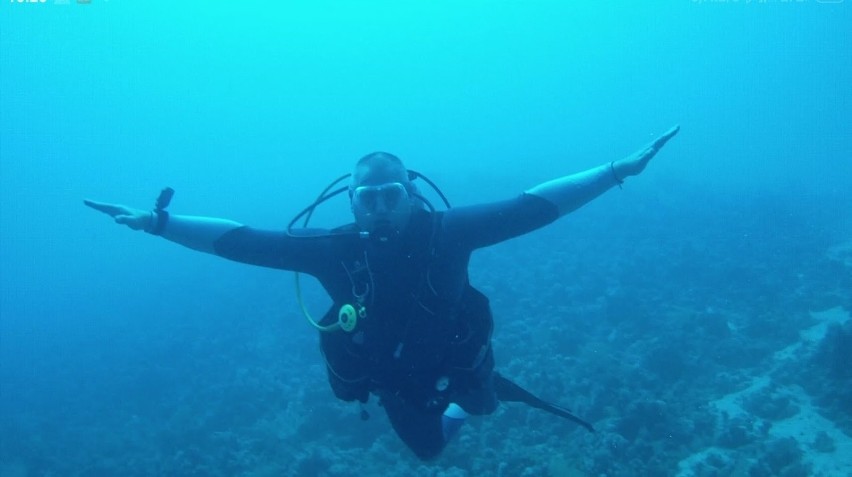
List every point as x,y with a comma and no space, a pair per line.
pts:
123,354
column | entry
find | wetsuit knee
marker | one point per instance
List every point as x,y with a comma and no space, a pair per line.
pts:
428,452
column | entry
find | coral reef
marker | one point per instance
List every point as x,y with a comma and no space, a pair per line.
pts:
697,353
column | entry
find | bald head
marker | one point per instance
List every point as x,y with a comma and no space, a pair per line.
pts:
381,195
379,168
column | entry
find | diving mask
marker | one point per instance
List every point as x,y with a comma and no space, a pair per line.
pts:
377,199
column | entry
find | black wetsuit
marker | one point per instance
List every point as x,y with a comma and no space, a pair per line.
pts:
425,338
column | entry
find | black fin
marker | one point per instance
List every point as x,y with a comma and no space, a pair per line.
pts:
511,392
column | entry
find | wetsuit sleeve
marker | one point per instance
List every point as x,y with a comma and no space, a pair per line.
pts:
274,249
478,226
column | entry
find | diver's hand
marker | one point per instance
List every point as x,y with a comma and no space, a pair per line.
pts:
635,163
136,219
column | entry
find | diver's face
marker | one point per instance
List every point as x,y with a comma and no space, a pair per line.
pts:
381,209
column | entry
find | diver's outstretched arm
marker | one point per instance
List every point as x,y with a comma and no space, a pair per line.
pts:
573,191
198,233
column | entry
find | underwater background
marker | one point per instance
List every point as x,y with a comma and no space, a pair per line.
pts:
699,318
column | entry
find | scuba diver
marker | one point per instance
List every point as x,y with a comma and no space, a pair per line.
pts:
405,324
